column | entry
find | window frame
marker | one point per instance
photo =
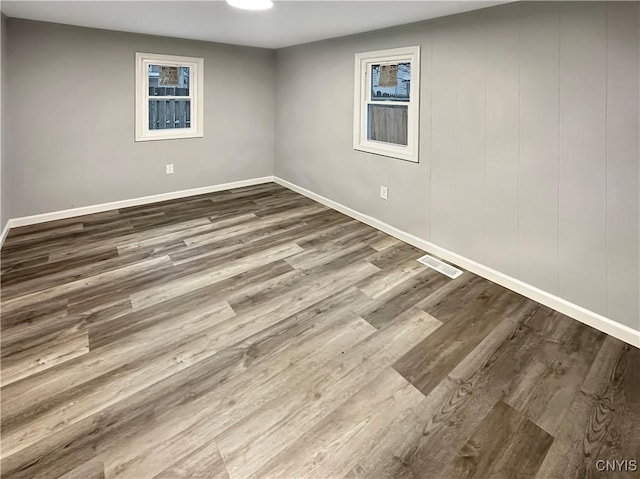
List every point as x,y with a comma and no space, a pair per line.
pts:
196,97
362,100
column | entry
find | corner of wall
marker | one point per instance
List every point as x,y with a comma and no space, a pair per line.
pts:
275,111
3,136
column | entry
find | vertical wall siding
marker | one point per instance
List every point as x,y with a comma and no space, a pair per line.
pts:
501,149
532,153
543,153
538,146
470,125
583,159
444,142
622,158
536,143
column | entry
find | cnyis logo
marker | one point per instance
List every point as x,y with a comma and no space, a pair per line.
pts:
626,465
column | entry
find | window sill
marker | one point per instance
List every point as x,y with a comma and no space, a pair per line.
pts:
401,153
181,136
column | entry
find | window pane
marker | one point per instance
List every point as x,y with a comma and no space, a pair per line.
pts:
165,114
391,82
168,81
388,123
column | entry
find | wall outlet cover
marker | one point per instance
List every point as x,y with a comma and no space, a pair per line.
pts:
384,192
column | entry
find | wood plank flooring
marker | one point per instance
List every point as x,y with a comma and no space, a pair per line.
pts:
254,333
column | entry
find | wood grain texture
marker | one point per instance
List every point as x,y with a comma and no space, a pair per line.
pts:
88,470
505,444
604,411
256,333
54,351
204,463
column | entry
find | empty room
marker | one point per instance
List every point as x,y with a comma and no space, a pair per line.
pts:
290,239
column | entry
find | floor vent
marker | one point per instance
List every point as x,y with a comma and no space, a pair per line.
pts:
440,266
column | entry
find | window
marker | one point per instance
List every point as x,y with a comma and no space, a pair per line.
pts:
387,88
169,97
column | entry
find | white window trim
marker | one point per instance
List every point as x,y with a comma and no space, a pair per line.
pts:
362,68
196,95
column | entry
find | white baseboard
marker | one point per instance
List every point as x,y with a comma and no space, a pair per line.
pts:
87,210
595,320
5,232
590,318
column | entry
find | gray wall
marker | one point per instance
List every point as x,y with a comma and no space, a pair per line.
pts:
3,136
529,132
70,103
529,156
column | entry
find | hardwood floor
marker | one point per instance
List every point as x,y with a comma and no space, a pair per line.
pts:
256,333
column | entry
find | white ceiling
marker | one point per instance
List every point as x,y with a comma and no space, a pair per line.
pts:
287,23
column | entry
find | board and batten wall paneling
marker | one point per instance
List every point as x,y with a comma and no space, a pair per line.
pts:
501,151
582,158
623,158
538,154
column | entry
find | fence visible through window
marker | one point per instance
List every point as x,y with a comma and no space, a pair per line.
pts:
166,108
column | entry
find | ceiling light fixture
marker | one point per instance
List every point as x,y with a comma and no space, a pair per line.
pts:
251,4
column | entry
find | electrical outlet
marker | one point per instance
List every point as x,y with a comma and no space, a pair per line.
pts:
384,192
169,169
